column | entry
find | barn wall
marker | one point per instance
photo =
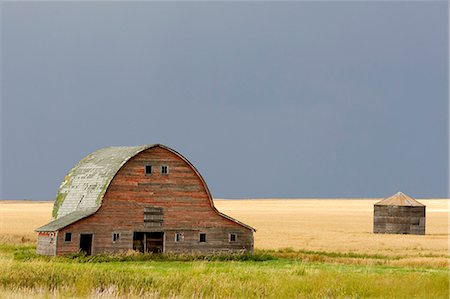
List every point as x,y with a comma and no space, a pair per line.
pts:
217,241
399,220
185,204
46,243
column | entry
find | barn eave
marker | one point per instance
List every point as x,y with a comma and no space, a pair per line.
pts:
66,220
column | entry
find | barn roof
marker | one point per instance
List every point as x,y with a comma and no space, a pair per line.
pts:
63,221
399,199
85,184
80,194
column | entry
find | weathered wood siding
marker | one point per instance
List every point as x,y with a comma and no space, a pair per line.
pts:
46,243
399,220
185,202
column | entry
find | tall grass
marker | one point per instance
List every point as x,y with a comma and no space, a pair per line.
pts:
25,253
273,279
272,274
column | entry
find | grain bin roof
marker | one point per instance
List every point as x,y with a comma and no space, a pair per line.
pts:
399,199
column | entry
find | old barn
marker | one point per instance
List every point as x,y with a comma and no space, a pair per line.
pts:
399,214
146,198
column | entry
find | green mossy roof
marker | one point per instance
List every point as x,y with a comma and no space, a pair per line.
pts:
85,185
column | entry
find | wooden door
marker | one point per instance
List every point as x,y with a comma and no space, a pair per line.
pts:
155,242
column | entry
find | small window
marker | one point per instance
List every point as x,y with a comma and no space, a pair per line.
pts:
179,237
115,237
164,169
233,237
148,169
68,237
202,237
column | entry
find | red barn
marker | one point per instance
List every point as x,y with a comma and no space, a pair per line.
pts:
146,198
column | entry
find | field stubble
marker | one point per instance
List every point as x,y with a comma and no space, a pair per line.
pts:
336,225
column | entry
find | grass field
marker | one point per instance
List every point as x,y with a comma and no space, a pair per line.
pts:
304,249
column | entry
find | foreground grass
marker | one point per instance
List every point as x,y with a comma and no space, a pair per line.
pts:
272,274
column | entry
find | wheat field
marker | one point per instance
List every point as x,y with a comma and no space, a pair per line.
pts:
336,225
343,225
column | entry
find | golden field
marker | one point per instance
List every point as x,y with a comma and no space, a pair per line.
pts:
343,225
336,225
19,219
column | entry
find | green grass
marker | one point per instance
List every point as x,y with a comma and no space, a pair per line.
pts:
273,274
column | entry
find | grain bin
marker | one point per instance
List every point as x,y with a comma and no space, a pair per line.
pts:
399,214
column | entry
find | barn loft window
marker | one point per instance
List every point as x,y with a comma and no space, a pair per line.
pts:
115,237
153,216
233,237
148,169
179,237
164,169
68,237
202,237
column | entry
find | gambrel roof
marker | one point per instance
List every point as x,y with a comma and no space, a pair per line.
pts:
81,193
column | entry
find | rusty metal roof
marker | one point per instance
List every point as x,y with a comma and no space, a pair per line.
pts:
85,184
399,199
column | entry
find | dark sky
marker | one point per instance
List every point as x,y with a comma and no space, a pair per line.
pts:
267,99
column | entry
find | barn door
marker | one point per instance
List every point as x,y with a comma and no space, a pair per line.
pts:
86,243
155,241
148,242
138,241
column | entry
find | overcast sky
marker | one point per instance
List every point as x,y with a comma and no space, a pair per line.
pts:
266,99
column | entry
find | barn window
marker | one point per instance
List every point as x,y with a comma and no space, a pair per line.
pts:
148,169
153,216
68,237
164,169
179,237
115,237
233,237
202,237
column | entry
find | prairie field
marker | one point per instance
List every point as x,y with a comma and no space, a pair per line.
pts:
311,224
304,248
336,225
